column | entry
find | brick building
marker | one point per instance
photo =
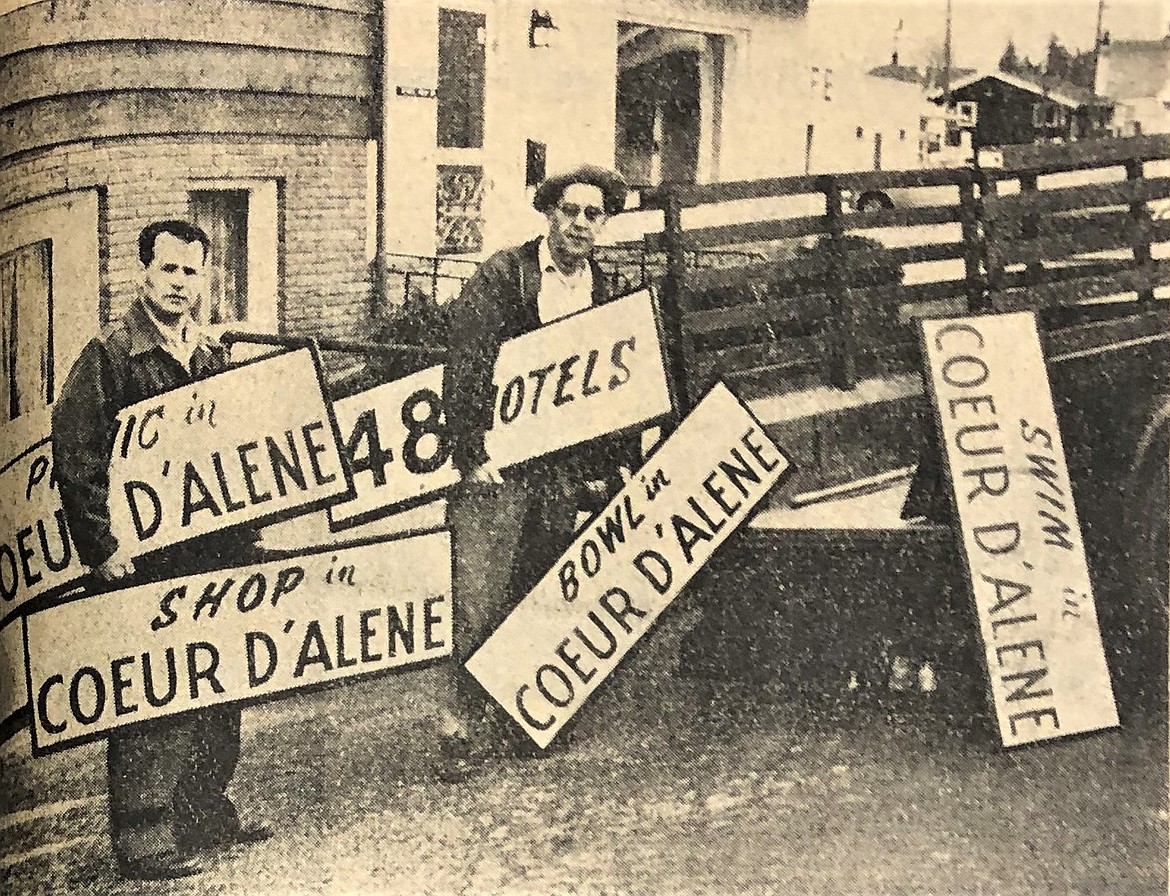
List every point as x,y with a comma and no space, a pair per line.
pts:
252,117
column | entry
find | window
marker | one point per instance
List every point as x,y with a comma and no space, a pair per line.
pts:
26,331
224,215
902,134
860,132
462,66
954,135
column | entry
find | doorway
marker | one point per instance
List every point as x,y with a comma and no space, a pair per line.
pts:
669,104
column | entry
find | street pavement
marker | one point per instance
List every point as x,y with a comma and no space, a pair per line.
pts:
669,786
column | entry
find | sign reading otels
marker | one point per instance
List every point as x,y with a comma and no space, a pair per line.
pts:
157,650
571,631
226,450
1019,526
590,374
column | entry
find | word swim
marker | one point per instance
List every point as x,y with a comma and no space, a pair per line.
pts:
203,672
229,481
560,383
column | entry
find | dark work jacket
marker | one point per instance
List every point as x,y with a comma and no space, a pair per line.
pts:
499,302
124,365
1147,509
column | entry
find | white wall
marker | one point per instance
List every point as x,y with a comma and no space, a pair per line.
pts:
564,96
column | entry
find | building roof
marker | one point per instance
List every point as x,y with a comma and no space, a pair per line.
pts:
907,74
1062,92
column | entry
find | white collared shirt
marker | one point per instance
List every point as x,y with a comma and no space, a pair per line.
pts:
179,341
561,294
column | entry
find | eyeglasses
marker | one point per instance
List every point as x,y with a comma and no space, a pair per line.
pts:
593,214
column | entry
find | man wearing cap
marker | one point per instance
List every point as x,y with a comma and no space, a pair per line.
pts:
510,526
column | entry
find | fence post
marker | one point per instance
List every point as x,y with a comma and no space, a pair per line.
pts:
671,298
1030,227
1143,260
843,372
969,220
989,189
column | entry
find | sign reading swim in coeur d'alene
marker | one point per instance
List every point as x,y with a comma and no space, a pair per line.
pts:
590,374
254,443
269,628
1021,537
605,593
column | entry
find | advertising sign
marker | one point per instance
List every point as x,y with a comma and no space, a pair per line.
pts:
1020,532
593,373
607,590
36,552
221,452
236,635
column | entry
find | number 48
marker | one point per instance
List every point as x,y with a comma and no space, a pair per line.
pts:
375,458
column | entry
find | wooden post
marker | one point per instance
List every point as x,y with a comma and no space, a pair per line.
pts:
972,246
671,298
992,234
1030,227
843,372
1139,216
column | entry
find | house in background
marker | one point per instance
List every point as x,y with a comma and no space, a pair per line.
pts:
1135,75
1009,109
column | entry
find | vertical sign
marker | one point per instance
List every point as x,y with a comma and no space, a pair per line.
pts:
1021,537
624,569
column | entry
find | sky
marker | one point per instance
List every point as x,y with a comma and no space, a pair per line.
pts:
864,30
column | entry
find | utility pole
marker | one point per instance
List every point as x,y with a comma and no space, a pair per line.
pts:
947,58
1097,42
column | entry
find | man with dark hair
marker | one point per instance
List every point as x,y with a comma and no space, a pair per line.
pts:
510,526
167,779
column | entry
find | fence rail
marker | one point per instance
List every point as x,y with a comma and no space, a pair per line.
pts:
1002,239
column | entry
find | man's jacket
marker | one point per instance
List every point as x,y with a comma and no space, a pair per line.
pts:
124,365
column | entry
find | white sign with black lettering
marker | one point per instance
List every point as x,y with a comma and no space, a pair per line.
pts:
606,591
252,444
237,635
36,554
593,373
13,691
1021,537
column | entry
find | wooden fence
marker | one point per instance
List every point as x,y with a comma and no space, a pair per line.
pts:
1055,232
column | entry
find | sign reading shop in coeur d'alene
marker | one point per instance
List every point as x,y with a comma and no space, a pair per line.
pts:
255,443
565,637
243,634
1021,537
590,374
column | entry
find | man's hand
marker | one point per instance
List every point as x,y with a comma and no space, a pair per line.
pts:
114,568
485,474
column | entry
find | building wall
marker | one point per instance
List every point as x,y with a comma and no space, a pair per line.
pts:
564,96
144,102
323,279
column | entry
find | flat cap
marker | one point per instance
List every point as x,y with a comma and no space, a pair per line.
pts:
612,185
